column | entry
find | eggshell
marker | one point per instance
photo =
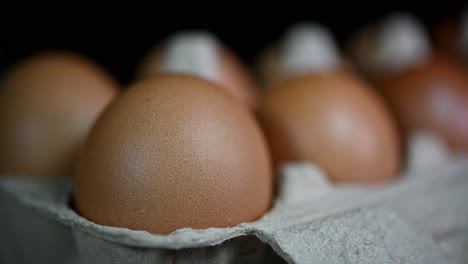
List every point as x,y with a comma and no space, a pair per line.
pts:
425,90
227,69
334,120
174,151
432,97
48,103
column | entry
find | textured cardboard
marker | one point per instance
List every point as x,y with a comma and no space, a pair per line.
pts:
422,217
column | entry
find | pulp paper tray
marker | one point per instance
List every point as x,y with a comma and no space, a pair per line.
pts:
421,217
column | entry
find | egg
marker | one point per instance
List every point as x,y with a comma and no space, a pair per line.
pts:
426,90
174,151
331,118
48,103
202,54
334,121
432,97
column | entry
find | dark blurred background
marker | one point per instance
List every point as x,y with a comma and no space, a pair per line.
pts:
119,40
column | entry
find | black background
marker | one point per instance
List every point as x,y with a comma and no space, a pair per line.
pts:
119,40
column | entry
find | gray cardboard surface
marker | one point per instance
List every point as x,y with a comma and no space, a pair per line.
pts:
422,217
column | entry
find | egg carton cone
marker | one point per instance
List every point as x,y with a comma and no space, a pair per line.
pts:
421,217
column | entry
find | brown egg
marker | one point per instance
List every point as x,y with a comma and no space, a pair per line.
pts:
201,54
335,121
48,103
425,90
174,151
432,97
317,110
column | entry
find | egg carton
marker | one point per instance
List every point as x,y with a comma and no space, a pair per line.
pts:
421,217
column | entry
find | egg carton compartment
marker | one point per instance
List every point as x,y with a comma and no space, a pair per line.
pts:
421,217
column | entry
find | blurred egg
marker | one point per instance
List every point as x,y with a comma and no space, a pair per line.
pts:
329,117
201,54
425,90
432,97
174,151
48,103
334,121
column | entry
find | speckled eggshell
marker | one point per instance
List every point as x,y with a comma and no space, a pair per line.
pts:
433,97
334,120
174,151
48,103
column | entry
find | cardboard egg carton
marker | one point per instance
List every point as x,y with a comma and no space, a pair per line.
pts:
421,217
